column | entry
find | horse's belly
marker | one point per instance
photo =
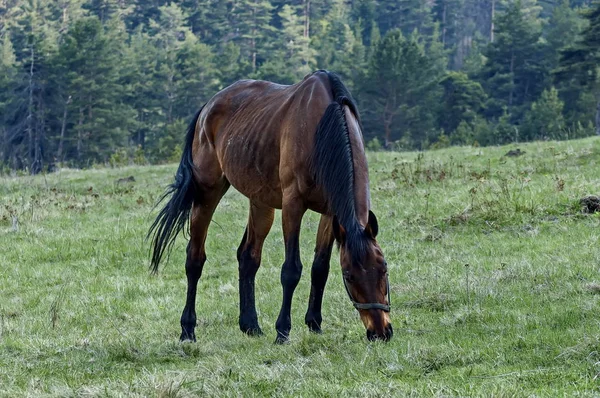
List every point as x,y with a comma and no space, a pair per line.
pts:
255,176
263,195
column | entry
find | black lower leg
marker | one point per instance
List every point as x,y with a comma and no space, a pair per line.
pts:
290,276
248,266
319,274
193,270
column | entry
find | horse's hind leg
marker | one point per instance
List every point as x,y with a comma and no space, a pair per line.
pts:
249,255
202,212
319,274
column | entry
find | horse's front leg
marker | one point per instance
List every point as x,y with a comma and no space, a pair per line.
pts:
319,274
292,212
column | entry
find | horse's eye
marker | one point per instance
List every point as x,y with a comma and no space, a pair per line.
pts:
348,277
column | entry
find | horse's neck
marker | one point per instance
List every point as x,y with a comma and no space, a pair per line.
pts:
361,175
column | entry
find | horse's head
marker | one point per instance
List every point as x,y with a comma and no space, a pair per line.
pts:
365,277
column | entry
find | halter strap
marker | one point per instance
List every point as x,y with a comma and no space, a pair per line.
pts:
371,306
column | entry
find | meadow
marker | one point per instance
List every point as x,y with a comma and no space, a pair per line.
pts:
494,273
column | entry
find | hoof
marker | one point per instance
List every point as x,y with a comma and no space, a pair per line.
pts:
314,327
187,336
281,339
252,331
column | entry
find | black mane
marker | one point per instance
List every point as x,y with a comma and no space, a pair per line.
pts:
333,168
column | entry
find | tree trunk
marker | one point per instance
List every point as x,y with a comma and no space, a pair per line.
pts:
38,139
253,41
63,127
492,15
444,25
140,135
512,78
30,142
6,148
170,96
79,135
598,114
388,131
306,19
253,45
387,125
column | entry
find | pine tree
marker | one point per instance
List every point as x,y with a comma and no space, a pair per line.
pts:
197,77
35,44
8,73
106,10
463,100
448,14
401,86
339,48
99,121
515,72
579,62
142,88
406,15
364,13
251,22
293,56
545,118
169,32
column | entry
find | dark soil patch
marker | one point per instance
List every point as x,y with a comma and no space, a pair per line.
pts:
590,204
515,153
125,180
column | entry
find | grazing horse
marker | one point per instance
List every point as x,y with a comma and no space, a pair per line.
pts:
293,148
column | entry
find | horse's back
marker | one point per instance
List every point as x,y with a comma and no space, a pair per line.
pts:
262,134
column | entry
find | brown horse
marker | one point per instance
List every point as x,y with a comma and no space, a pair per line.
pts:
292,148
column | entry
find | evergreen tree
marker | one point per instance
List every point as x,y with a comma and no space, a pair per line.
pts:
515,72
579,62
406,15
106,10
545,118
197,77
142,88
463,100
448,14
339,48
8,73
402,87
292,56
230,64
169,33
251,23
99,121
364,14
34,44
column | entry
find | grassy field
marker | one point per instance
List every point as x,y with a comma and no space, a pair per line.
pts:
494,272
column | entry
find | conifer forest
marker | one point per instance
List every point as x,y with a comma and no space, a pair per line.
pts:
85,82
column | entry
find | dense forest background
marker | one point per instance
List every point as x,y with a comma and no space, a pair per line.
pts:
96,81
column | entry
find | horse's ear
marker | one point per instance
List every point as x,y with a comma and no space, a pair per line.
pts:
338,231
372,227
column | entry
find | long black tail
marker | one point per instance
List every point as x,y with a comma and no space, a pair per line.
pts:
176,213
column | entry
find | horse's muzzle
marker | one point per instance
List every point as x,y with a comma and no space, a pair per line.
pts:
385,336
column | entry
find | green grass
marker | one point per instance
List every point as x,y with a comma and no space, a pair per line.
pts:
493,271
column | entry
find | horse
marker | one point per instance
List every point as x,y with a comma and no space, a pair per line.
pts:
291,147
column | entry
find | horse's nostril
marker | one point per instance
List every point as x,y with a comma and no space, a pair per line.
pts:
371,336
